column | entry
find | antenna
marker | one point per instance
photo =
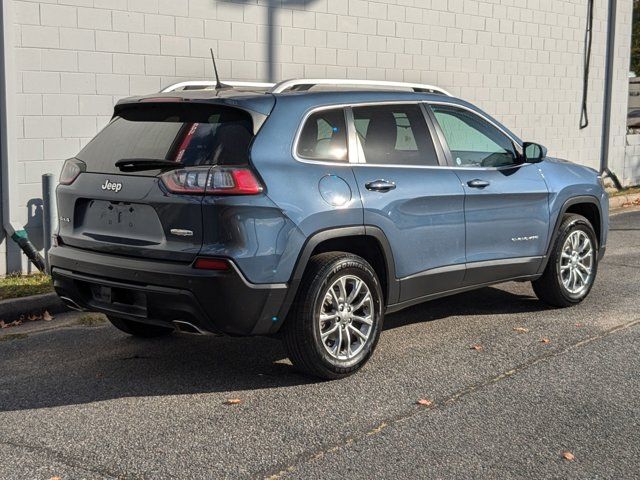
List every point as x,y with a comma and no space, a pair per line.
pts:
219,84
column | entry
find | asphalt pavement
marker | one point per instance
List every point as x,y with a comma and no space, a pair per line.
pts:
82,400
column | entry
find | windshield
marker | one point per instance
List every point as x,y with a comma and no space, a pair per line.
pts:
191,134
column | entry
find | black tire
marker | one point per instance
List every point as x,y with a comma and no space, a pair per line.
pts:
549,287
301,331
139,329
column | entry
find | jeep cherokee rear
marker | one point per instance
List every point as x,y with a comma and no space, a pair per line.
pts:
312,214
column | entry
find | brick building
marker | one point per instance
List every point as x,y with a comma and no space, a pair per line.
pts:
67,61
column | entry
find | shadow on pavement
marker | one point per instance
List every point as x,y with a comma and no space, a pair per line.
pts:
84,364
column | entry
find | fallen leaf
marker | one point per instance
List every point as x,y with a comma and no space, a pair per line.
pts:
568,456
578,324
545,340
55,478
476,347
424,402
232,401
521,330
15,323
46,316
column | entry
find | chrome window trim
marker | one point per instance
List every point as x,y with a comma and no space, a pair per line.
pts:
352,153
296,139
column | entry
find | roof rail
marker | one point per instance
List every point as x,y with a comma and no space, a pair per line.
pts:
203,84
306,84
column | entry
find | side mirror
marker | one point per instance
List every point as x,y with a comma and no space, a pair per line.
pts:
533,152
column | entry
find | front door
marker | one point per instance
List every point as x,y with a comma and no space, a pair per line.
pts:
415,201
506,201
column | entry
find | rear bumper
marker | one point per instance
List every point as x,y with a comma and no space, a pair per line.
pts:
160,292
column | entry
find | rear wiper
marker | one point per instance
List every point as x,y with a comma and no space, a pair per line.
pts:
139,164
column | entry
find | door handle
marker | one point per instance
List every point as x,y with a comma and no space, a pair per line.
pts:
380,185
477,183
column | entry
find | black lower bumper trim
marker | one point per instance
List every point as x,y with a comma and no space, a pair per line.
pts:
161,292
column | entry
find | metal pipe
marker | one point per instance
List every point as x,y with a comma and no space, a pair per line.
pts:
49,215
608,87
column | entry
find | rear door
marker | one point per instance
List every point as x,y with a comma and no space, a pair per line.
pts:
132,212
506,203
405,191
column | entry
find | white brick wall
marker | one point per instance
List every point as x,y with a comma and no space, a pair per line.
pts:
521,60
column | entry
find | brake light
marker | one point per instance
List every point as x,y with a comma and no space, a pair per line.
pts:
213,181
71,170
211,264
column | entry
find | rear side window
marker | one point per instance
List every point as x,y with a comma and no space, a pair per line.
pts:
324,137
394,135
193,134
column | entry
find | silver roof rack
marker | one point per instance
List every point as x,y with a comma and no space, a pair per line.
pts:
204,84
306,84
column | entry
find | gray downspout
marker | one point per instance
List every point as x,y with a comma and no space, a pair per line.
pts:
7,144
608,92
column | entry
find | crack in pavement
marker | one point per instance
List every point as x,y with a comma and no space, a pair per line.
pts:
59,457
450,400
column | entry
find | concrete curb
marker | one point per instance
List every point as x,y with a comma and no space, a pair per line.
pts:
13,308
620,201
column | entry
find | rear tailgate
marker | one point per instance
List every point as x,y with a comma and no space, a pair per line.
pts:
134,213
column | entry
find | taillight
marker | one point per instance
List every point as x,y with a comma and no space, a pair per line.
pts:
71,169
211,264
213,181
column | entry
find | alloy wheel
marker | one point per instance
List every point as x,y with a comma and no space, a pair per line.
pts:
345,317
576,262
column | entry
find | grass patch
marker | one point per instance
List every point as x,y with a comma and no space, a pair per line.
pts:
15,286
91,320
13,336
625,191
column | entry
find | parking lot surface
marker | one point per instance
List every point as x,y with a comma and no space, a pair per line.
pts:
87,401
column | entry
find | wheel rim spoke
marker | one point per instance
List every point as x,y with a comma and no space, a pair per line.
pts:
348,338
366,320
325,334
354,293
343,288
358,333
338,344
324,317
363,300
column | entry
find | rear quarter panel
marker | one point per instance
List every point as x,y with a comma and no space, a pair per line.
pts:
293,188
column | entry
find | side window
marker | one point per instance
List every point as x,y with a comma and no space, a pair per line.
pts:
394,135
473,141
324,137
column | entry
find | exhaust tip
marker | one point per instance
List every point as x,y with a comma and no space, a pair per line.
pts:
187,327
71,304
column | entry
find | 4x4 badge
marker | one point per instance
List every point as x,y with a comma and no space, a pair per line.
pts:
112,186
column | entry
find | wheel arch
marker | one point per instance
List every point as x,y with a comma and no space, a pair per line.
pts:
367,242
586,205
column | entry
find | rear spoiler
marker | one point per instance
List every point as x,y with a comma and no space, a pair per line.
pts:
258,108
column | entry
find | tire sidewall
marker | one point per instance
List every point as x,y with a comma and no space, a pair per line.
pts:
341,267
568,229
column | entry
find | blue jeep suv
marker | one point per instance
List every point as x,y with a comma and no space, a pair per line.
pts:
310,209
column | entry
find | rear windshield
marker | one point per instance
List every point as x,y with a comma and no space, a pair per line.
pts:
193,134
